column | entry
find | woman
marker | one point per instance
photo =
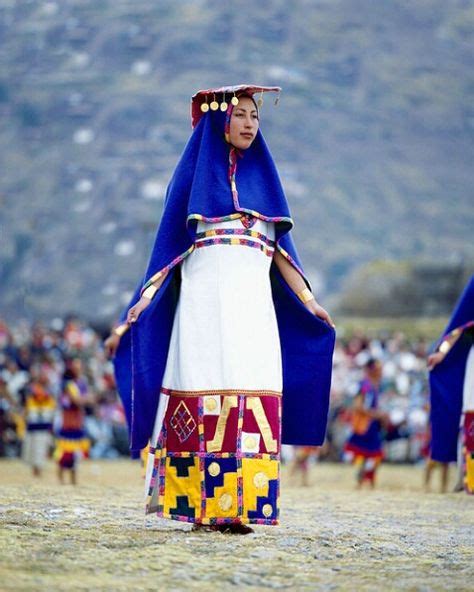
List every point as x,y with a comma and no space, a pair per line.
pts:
451,369
364,446
204,361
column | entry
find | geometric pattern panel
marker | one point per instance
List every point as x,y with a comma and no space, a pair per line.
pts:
260,479
217,459
182,494
181,423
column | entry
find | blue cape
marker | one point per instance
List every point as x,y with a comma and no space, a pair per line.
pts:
200,189
446,384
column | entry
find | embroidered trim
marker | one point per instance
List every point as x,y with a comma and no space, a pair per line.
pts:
243,392
235,231
292,261
241,520
167,268
235,241
457,331
210,455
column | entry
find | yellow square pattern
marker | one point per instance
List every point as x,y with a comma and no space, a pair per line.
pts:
256,474
224,502
189,486
469,472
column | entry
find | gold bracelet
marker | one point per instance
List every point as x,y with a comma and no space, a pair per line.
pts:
150,291
444,347
121,329
305,295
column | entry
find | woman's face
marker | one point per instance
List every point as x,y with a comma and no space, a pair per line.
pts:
243,124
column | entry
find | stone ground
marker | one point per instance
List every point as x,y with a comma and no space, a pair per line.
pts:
95,537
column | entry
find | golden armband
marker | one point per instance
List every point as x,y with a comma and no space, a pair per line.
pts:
121,329
305,295
150,291
444,347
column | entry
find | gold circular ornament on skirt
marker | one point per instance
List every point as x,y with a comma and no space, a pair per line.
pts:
234,101
250,442
260,480
214,105
204,107
267,510
210,404
225,502
213,469
224,106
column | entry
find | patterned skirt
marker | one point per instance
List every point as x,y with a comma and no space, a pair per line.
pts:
214,456
71,446
468,451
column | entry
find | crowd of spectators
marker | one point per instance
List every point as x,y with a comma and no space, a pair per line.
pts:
32,355
404,392
35,356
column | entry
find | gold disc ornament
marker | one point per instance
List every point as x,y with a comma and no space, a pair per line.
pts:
234,101
204,107
224,106
214,105
214,469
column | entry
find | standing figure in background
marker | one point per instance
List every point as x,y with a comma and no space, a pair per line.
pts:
452,394
40,407
301,461
364,447
71,440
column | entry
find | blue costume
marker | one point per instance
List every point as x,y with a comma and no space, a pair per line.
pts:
447,380
213,182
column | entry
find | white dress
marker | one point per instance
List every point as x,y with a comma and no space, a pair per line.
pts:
214,453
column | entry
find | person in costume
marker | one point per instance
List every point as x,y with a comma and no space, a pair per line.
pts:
71,440
303,456
451,369
364,446
228,353
39,412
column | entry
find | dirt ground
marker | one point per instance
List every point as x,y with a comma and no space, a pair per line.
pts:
95,536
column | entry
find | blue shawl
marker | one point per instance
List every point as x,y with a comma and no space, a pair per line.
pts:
447,381
201,189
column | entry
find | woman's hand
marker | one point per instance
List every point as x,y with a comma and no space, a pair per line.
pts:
435,359
137,309
320,312
111,344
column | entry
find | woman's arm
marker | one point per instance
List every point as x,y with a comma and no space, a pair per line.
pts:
444,347
136,310
113,340
294,279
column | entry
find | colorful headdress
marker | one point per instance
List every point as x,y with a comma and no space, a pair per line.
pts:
221,98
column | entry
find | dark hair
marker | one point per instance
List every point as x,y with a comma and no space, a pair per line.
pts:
371,363
245,95
69,372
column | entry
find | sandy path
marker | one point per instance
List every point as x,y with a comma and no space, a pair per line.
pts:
95,536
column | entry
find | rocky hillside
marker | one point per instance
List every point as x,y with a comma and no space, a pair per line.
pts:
373,135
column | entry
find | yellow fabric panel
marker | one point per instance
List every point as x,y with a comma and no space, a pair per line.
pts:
256,473
63,446
189,486
469,478
224,502
73,390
